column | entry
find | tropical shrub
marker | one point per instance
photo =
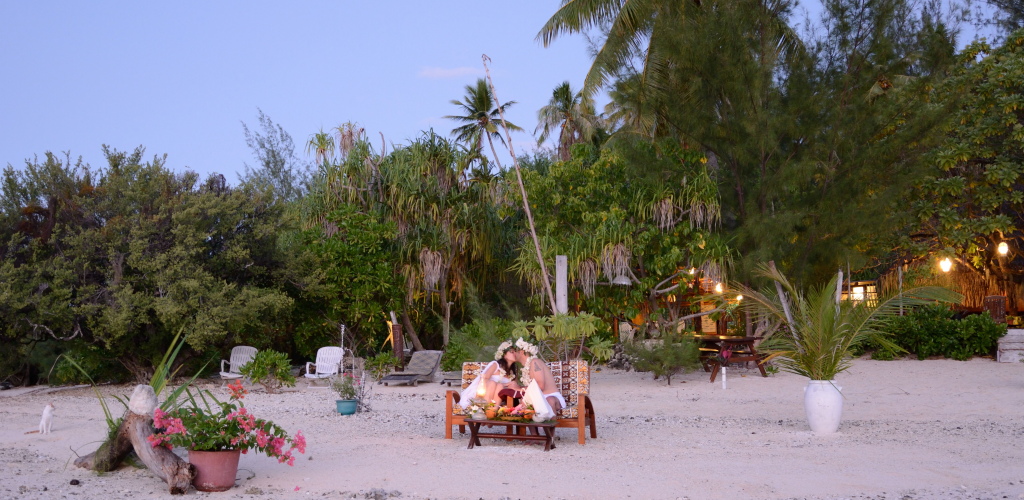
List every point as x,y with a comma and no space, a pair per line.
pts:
664,357
381,365
269,368
931,331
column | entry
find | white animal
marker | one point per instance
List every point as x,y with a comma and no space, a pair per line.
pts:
47,420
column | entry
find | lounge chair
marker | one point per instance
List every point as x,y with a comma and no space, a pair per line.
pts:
421,368
240,355
328,363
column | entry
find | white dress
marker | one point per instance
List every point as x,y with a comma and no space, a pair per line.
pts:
466,398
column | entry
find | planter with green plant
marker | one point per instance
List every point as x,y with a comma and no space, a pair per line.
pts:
269,368
215,433
353,392
813,333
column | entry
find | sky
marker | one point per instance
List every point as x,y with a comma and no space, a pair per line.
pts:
181,77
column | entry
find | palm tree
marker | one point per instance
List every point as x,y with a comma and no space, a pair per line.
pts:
481,118
570,111
633,27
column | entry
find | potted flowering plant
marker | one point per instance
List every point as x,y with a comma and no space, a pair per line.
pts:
216,434
345,387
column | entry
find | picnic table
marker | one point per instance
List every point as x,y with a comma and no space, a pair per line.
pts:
544,432
742,348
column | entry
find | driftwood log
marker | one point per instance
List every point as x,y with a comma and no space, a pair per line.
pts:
131,435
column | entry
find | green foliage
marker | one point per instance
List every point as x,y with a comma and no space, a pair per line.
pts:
601,350
270,368
344,386
817,337
972,198
349,276
216,425
664,357
561,335
381,365
931,331
639,211
125,256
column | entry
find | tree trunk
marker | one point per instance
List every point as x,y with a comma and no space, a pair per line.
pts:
407,322
132,434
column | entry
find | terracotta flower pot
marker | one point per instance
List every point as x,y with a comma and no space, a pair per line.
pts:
215,470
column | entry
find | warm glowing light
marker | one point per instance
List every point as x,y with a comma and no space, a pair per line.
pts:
1003,248
718,288
858,294
739,298
946,265
481,391
693,270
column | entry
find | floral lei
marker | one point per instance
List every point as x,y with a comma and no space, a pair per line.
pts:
526,347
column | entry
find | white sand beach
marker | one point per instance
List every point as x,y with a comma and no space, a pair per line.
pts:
911,429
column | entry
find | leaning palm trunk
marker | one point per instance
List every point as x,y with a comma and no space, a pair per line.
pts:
815,337
526,202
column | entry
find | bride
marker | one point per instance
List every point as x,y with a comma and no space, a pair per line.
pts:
494,378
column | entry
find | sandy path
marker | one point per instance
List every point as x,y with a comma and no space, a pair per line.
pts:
932,429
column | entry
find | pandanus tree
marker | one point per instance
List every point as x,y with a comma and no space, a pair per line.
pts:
444,207
632,221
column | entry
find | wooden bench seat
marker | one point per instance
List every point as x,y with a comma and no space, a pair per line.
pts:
573,380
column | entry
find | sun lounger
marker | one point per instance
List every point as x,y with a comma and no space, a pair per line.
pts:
571,377
240,355
421,368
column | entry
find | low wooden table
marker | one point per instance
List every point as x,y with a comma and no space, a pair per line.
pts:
742,351
545,432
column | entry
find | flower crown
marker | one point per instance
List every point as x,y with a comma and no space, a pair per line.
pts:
520,344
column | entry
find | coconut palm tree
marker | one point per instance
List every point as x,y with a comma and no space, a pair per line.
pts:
573,113
481,118
633,27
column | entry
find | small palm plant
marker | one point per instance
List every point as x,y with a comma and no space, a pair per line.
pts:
812,333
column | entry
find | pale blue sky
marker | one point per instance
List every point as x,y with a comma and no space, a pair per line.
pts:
178,77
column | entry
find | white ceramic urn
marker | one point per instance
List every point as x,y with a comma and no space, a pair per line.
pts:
823,404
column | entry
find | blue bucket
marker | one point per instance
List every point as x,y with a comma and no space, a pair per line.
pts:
346,406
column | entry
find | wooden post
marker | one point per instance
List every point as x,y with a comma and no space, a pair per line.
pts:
398,344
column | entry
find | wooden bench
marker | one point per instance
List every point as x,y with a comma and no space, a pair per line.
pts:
573,380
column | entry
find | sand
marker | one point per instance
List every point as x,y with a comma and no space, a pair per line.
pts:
911,429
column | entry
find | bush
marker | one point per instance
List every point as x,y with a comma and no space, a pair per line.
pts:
475,341
932,331
270,368
381,365
664,357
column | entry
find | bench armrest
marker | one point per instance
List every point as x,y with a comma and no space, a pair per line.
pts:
309,364
222,365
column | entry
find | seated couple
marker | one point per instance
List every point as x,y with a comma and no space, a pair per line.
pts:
519,373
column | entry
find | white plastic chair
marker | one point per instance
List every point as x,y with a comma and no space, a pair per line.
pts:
240,355
328,363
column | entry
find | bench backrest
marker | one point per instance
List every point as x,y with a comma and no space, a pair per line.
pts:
571,377
328,359
240,355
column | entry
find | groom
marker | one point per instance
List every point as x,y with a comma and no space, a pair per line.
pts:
538,370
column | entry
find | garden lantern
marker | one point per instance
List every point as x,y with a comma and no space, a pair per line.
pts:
1003,248
622,280
946,265
718,288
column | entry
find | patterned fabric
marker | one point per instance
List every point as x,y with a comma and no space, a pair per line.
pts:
571,377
